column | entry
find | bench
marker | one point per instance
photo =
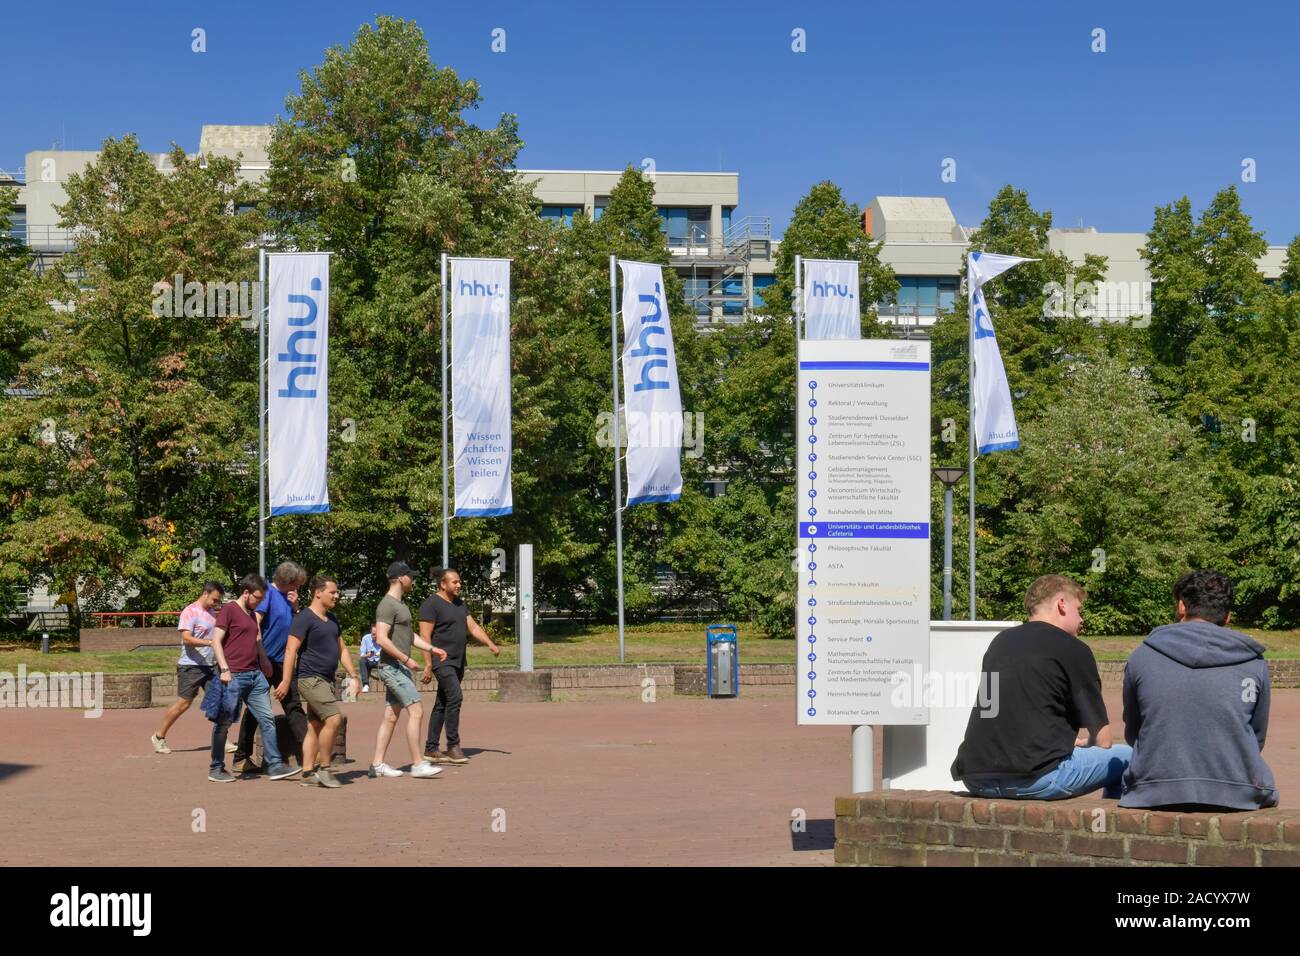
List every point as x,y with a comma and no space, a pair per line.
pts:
939,828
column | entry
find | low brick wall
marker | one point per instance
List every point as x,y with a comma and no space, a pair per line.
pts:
100,639
1281,672
936,828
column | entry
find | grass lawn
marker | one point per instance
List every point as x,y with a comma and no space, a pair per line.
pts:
572,644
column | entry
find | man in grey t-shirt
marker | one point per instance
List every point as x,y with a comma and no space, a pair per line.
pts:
394,636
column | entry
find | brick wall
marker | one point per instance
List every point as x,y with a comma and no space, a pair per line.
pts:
100,639
936,828
1281,673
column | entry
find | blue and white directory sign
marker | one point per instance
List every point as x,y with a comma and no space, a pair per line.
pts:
863,464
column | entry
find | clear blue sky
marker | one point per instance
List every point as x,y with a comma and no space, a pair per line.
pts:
885,92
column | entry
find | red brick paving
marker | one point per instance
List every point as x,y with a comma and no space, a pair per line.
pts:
604,780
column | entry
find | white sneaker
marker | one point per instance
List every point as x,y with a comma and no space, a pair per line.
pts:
424,769
383,770
159,745
365,688
231,748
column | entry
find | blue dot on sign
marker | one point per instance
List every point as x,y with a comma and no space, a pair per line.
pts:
812,439
812,475
812,621
812,638
812,657
812,583
812,602
812,456
812,675
812,694
812,385
868,637
812,403
812,565
812,512
812,711
812,493
812,547
813,420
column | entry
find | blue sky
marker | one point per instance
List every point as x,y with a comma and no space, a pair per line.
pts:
885,92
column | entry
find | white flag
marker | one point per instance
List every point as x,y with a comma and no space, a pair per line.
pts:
480,386
830,295
995,419
650,394
298,382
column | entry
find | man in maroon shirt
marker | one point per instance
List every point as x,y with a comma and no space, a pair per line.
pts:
234,641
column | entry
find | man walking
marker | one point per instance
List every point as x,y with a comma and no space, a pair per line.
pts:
234,642
1044,735
393,634
273,615
194,669
316,646
447,624
1196,697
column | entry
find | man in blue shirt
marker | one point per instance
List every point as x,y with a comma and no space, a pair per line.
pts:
273,615
369,659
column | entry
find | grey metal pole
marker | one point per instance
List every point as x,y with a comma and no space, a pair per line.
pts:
618,445
863,744
261,413
797,317
947,552
524,605
442,358
970,427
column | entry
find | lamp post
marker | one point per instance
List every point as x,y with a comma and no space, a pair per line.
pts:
949,477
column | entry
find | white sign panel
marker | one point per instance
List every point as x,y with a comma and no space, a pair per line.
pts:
298,382
830,296
863,457
480,386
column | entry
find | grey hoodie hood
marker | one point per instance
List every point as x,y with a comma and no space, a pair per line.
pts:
1202,644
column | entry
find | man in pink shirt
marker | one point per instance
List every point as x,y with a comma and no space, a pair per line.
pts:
194,669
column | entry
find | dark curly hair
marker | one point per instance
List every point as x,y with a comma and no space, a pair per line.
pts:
1206,594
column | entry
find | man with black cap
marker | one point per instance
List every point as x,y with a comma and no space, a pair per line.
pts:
393,634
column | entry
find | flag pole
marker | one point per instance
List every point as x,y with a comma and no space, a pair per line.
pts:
442,358
970,424
261,411
618,445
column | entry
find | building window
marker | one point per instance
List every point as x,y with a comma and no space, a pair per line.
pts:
733,288
18,223
685,227
761,283
598,209
921,297
697,295
561,214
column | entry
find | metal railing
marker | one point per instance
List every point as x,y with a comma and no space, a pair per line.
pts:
115,618
44,237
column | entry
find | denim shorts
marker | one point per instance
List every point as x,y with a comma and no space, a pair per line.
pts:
400,690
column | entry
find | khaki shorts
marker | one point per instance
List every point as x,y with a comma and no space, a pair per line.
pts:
318,699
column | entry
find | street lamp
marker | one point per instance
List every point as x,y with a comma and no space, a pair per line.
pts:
949,477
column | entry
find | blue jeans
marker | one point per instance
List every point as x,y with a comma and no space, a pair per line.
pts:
1082,772
253,690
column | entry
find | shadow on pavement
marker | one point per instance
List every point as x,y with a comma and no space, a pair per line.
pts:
8,770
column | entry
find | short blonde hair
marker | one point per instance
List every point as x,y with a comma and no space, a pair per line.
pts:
1047,587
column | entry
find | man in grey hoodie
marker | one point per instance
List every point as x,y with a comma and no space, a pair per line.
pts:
1196,708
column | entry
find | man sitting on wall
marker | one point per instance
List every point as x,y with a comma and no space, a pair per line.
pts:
1045,735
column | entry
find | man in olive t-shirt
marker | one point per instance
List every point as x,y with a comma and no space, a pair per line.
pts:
394,636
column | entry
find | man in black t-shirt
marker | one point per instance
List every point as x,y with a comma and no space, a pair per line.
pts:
1039,730
314,651
447,624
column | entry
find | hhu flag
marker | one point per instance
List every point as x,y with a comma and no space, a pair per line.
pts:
650,394
830,299
995,419
480,386
298,382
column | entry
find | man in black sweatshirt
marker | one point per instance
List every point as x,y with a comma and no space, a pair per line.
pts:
1196,700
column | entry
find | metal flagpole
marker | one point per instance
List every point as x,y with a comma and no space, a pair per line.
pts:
261,412
970,423
618,444
443,359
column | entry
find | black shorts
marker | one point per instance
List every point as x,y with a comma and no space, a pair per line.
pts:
191,678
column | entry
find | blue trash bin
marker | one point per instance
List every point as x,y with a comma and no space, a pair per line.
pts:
724,660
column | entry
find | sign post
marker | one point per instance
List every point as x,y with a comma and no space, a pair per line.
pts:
863,618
